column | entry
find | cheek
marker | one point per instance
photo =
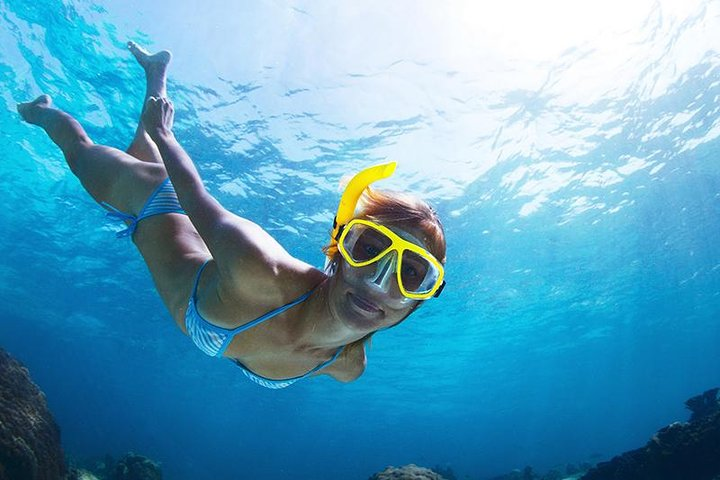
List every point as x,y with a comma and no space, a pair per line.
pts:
352,275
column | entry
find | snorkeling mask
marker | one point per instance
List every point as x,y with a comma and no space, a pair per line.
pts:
363,242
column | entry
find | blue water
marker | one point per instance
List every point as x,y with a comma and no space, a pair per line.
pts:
571,149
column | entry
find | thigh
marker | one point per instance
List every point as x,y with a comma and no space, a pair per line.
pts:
111,175
169,243
173,252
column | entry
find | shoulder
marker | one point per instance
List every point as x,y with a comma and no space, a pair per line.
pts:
350,365
275,282
259,267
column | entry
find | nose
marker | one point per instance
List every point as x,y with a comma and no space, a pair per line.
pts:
384,270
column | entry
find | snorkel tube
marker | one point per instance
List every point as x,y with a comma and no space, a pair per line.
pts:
354,189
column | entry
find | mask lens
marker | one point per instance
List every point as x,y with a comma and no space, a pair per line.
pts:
364,243
418,275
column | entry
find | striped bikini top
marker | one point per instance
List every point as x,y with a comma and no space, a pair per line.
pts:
214,340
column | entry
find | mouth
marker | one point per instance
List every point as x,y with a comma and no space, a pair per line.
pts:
364,305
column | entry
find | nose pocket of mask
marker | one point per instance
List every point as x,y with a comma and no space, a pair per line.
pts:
383,271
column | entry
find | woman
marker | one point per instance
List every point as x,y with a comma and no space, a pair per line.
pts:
231,286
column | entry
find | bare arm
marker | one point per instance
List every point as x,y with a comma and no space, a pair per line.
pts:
238,245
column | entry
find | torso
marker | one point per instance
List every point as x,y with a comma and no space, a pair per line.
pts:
267,348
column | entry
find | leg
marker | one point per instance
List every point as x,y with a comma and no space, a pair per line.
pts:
155,66
108,174
170,245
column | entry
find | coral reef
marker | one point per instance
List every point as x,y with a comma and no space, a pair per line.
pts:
29,437
79,474
679,451
129,467
136,467
408,472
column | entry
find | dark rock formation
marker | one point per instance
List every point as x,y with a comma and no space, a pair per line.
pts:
408,472
29,437
680,451
136,467
703,405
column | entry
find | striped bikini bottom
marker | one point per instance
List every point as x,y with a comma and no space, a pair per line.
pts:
162,200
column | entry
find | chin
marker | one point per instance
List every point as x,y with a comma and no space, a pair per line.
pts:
368,314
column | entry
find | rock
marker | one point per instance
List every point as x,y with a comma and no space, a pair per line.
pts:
80,474
704,404
29,437
677,452
136,467
408,472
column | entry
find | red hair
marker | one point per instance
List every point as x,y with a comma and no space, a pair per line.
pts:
401,209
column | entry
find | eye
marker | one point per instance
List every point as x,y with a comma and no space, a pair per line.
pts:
371,250
414,270
409,271
370,246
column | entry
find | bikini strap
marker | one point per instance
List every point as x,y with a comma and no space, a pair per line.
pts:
326,363
119,215
272,313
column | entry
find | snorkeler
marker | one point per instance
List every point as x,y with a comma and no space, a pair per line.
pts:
231,286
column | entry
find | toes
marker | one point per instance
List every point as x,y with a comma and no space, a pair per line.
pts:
137,50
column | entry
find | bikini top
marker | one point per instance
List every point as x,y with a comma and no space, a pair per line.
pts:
214,340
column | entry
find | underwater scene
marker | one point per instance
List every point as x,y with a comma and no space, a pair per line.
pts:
570,151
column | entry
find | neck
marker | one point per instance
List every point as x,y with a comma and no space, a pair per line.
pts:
318,325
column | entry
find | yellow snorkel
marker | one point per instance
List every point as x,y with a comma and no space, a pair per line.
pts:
353,190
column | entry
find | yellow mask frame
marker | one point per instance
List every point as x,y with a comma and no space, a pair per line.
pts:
399,245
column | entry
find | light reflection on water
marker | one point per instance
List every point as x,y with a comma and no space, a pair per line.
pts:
569,148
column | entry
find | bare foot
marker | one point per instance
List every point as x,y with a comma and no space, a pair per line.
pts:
29,110
156,62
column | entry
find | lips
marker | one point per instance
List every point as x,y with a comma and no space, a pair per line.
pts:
364,304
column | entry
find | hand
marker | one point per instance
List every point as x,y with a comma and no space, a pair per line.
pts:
157,116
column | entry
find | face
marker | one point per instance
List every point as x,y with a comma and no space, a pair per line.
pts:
368,298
